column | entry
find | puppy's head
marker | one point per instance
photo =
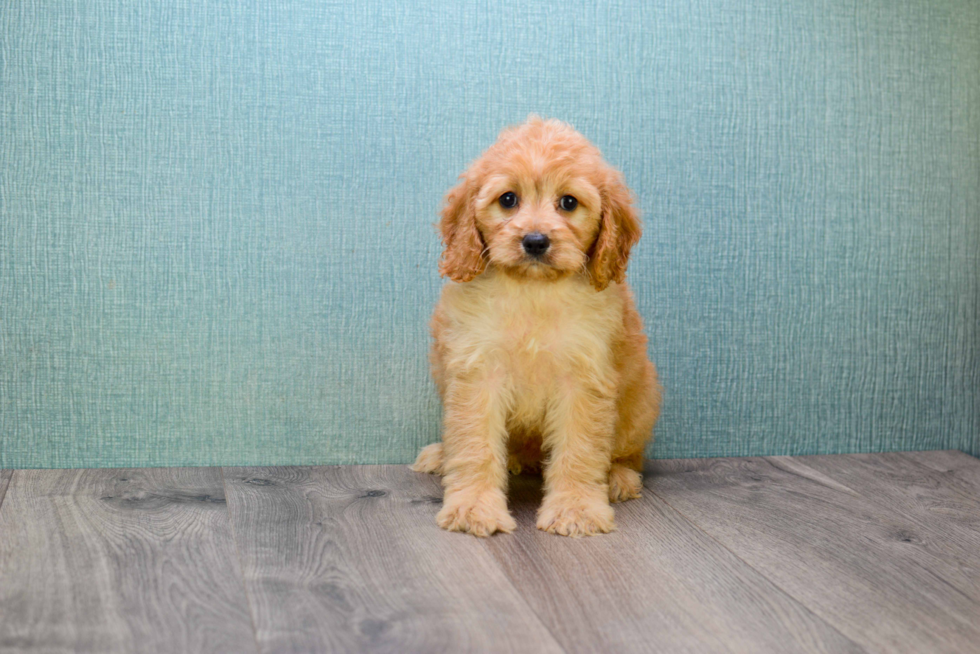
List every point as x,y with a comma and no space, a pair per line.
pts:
540,203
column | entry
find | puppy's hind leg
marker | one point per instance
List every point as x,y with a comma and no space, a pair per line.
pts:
429,460
638,410
624,483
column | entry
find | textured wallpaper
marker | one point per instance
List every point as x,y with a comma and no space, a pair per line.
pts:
216,241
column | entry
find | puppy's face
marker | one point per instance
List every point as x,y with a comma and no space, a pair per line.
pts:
537,214
540,203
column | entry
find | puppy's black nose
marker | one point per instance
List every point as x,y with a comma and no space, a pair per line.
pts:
536,244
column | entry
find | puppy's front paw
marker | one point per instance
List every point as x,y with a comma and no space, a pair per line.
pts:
624,483
478,514
576,517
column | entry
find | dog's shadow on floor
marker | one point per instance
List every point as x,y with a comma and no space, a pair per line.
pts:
524,493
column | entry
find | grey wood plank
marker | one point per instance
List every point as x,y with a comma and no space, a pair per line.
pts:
120,561
5,476
349,558
656,584
847,558
959,470
945,522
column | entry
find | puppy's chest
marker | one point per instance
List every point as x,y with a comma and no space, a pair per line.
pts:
538,337
538,334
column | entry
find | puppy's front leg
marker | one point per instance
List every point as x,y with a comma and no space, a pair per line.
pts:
475,466
580,439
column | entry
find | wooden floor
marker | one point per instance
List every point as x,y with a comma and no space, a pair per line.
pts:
873,553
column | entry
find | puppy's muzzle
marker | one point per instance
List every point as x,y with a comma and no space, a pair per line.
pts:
536,244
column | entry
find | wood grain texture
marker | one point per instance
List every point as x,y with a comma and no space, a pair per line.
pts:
959,471
657,584
860,565
119,561
4,480
350,559
945,520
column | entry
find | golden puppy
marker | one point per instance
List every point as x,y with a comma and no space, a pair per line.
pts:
539,352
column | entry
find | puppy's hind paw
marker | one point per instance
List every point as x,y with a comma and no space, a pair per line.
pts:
480,515
624,483
429,459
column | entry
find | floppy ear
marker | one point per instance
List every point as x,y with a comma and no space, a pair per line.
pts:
619,230
462,260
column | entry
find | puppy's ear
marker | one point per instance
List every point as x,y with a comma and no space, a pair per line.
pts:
462,260
619,230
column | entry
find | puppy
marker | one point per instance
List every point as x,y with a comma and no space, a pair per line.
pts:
539,353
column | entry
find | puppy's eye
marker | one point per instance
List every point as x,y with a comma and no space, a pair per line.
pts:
508,200
567,203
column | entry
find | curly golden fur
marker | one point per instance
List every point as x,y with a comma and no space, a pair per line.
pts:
539,357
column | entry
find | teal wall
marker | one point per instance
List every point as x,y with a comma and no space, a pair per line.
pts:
216,241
